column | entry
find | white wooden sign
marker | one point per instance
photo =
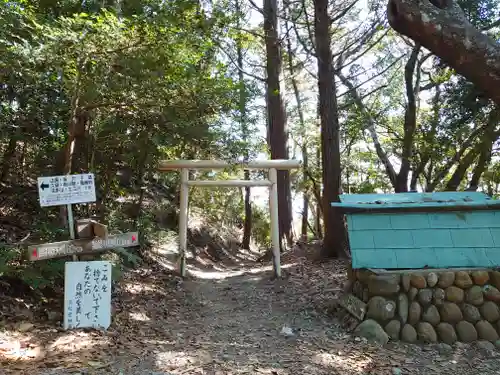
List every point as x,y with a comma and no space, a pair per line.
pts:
68,189
87,294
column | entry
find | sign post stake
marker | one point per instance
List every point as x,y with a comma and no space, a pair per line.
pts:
71,226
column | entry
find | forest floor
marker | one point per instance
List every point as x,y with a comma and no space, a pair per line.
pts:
229,319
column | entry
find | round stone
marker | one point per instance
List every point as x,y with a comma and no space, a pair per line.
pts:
490,311
438,296
418,281
432,279
393,328
495,279
425,296
403,307
384,285
450,313
491,293
372,331
431,315
463,280
409,334
380,309
454,294
471,313
480,277
412,294
486,331
405,282
414,313
466,331
446,333
474,295
426,332
446,279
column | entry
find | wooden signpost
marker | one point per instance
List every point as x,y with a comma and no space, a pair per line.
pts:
87,285
81,246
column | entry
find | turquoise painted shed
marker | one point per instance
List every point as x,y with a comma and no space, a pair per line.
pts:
422,230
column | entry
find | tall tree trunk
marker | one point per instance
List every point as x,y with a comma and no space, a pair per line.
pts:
410,122
317,191
372,129
459,173
489,139
444,30
247,224
298,99
80,157
316,213
481,166
142,171
8,156
305,198
425,165
334,240
22,161
277,117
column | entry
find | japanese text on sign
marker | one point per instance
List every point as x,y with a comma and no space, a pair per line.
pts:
64,248
87,294
69,189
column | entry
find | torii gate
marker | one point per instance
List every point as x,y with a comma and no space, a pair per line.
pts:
272,166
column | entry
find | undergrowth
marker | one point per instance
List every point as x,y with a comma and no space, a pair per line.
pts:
156,222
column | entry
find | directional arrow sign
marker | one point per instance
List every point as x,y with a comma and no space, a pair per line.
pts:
69,189
82,246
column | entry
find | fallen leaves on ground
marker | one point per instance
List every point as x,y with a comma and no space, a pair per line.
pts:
246,323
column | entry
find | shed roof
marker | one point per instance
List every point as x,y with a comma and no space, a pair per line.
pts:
398,239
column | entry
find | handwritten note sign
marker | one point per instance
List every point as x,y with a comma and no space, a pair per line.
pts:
87,294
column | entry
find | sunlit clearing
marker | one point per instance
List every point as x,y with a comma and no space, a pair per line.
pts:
140,316
271,371
225,274
335,361
135,288
173,359
255,278
73,341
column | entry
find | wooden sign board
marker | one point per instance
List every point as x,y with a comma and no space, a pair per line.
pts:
68,189
87,294
100,230
82,246
353,305
88,228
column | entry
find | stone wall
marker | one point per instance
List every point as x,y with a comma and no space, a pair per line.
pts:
431,306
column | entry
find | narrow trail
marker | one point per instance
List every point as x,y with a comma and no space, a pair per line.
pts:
233,321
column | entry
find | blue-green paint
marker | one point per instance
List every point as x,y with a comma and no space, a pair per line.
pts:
398,240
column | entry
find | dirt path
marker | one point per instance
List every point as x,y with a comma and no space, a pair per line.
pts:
239,324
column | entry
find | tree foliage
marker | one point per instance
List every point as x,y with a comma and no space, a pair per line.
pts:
111,87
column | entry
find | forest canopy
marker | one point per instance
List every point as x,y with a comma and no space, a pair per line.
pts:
112,87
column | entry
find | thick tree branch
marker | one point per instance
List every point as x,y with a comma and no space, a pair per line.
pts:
457,157
491,26
447,33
